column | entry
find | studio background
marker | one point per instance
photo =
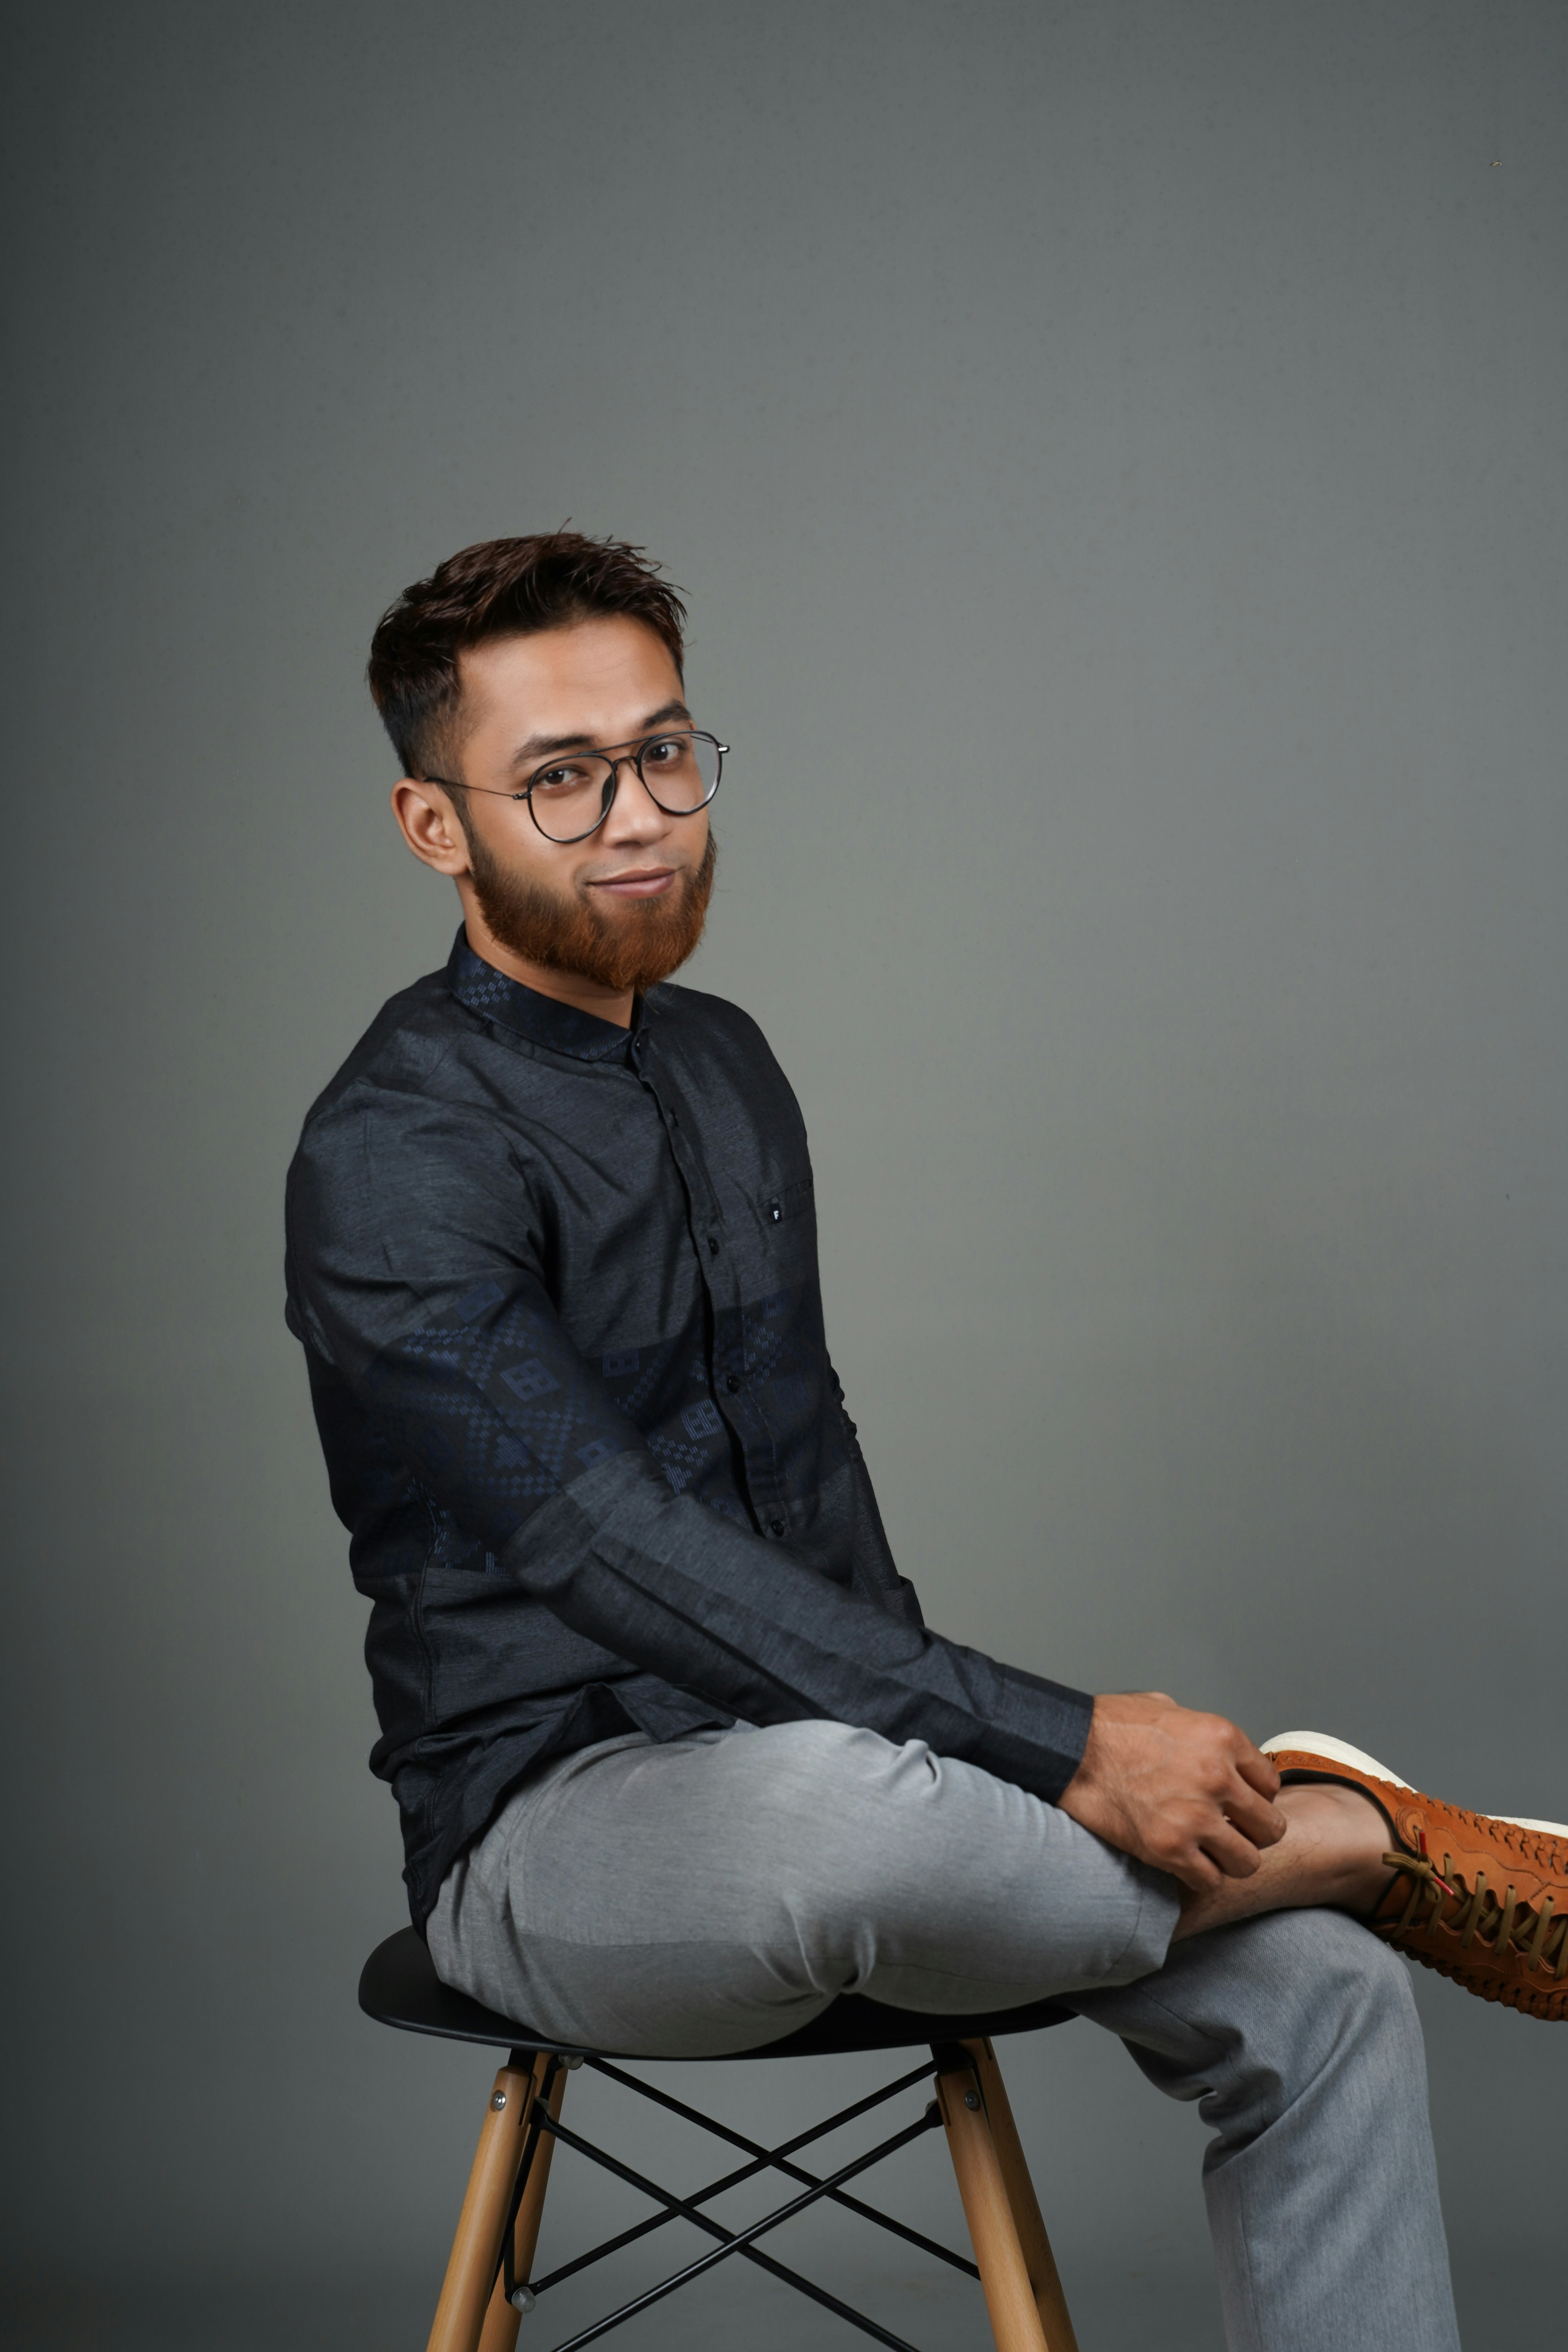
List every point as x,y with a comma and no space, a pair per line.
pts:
1114,453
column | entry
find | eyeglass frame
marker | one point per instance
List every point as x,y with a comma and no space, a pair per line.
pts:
600,752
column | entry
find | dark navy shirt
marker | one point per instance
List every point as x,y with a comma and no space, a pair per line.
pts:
557,1287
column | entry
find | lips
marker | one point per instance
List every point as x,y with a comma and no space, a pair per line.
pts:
645,882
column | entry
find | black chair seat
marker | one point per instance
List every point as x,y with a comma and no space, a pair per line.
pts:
399,1987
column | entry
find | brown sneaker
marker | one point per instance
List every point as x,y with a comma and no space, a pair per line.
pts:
1479,1897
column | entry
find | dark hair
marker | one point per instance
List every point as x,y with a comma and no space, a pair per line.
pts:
500,588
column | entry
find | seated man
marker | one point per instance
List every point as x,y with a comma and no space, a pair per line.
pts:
678,1760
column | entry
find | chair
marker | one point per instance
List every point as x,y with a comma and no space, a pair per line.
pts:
489,2283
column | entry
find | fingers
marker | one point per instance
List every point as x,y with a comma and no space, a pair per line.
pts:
1202,1852
1235,1782
1255,1769
1249,1807
1245,1810
1198,1874
1234,1855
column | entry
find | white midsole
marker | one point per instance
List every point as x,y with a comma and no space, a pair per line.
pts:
1339,1751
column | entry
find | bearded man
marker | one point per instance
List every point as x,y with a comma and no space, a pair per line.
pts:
678,1761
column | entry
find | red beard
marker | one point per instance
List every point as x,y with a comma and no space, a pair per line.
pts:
641,943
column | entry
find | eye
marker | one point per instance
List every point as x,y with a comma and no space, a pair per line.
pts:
666,751
568,777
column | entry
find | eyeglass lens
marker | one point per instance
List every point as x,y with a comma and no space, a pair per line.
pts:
571,797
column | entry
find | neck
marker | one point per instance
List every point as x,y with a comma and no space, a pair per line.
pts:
612,1005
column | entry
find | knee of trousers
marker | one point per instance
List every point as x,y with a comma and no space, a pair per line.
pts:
1349,1976
1323,2000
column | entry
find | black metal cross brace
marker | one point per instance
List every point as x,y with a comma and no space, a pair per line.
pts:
687,2207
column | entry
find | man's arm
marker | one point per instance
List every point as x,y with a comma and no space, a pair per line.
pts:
755,1627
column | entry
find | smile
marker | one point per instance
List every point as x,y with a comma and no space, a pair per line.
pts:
650,882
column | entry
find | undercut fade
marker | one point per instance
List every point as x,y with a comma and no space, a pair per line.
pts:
502,588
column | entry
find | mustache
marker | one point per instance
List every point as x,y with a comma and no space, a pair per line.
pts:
630,943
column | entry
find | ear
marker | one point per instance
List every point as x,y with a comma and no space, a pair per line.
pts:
428,823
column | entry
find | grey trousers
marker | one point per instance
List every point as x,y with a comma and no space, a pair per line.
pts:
712,1893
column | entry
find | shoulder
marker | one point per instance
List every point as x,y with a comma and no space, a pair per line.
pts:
412,1034
407,1095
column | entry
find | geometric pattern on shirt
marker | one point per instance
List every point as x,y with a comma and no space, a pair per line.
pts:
497,1410
680,1463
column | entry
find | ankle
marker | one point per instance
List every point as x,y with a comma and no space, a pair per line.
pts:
1330,1858
1341,1835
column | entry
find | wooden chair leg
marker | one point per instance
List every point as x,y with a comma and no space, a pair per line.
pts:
1038,2259
476,2248
1003,2274
501,2322
1023,2317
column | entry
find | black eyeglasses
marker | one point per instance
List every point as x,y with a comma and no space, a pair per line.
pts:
571,797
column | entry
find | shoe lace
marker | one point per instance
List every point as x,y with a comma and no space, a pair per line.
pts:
1479,1912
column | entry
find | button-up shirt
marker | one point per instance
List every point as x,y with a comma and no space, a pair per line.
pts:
557,1287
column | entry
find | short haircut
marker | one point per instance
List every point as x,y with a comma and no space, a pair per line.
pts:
502,588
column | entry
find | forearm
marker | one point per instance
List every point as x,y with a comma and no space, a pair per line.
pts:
753,1629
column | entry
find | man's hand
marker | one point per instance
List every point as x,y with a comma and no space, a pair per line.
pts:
1187,1792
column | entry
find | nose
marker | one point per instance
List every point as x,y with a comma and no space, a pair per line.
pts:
635,814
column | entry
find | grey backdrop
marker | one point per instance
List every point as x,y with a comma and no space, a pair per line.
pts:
1115,454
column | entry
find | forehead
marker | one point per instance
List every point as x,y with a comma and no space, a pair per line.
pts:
598,678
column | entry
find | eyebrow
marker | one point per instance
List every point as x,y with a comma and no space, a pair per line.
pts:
539,746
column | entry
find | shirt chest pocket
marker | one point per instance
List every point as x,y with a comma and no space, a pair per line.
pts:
788,1204
787,1215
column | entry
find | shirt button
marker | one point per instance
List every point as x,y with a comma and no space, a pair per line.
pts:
733,1383
775,1526
712,1244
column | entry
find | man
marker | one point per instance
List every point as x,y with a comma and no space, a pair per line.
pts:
677,1758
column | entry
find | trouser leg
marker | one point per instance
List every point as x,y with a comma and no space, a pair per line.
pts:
712,1893
1297,2035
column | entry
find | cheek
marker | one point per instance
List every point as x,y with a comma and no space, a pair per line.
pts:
517,849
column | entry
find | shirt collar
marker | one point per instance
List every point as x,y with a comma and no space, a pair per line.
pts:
544,1019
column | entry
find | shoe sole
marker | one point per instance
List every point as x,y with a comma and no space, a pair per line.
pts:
1339,1751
